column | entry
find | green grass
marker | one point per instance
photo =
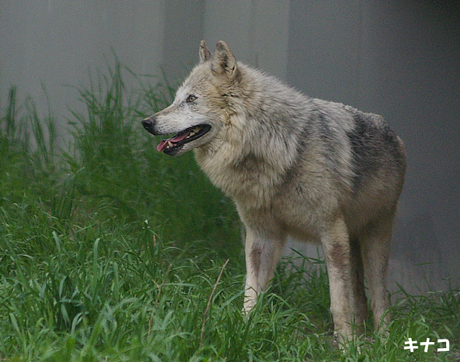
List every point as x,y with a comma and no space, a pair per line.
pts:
110,251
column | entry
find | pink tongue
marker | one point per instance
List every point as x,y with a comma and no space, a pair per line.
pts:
175,139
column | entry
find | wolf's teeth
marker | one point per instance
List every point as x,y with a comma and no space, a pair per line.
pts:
170,144
193,132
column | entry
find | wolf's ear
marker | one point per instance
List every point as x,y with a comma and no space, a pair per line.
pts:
205,54
224,62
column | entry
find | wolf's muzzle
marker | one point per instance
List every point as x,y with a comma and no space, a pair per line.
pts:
149,124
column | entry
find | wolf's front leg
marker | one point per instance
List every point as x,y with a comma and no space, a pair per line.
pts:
263,250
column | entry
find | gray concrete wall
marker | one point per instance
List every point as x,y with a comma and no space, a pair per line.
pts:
55,43
183,32
399,58
256,31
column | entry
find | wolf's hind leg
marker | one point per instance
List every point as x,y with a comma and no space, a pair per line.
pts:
336,249
376,253
358,298
263,251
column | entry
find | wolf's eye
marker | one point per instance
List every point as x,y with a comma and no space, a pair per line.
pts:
191,98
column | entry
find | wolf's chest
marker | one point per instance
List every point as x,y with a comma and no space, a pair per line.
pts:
244,179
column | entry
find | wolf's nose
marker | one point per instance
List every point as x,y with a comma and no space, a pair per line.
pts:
148,124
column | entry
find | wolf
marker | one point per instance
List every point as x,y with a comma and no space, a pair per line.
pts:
295,166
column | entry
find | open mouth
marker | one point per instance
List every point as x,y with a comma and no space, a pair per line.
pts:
172,145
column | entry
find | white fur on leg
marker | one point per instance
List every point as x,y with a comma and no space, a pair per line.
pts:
262,255
337,252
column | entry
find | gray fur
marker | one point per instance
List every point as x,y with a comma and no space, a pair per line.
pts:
295,166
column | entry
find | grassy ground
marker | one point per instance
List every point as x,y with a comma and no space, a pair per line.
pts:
110,251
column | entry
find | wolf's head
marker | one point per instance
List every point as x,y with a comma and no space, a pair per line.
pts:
201,106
